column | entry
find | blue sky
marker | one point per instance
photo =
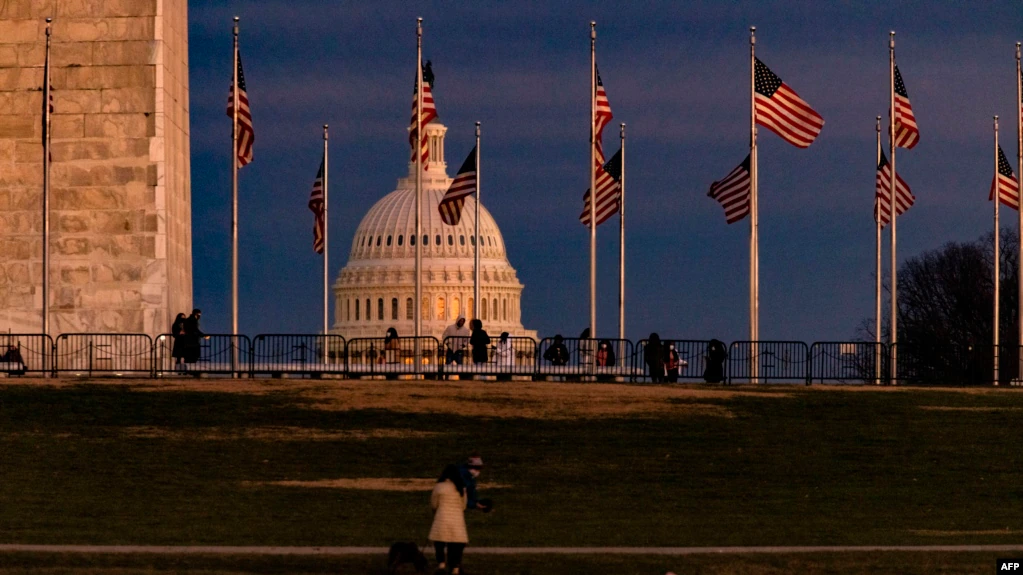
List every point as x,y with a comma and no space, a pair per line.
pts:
676,73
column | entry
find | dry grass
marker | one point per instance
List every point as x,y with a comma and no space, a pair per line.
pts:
282,433
939,533
977,409
372,484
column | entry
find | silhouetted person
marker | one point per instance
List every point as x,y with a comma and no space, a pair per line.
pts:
480,341
605,354
716,354
178,335
653,354
192,336
557,353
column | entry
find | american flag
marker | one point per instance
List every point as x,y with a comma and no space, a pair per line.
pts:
316,205
904,198
463,185
1008,185
733,192
429,114
782,111
246,135
608,177
604,114
607,186
907,134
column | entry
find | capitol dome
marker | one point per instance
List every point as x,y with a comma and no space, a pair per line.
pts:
375,290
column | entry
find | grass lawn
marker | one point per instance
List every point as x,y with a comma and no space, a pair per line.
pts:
298,462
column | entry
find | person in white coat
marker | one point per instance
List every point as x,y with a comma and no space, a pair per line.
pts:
448,531
504,355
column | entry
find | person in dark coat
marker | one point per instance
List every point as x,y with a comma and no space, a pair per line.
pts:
178,335
716,354
557,353
671,362
479,340
653,354
192,335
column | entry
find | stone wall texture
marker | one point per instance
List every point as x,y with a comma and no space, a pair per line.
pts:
120,202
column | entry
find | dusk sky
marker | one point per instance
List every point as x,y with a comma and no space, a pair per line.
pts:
677,73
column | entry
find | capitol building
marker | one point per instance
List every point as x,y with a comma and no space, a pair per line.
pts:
375,290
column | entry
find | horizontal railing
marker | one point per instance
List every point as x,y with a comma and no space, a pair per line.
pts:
673,360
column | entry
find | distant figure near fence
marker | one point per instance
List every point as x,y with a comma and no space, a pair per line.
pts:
557,353
605,354
180,342
504,354
193,334
654,357
480,342
391,346
459,335
716,354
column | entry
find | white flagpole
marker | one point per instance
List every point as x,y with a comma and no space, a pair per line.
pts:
234,208
326,244
621,240
893,332
877,269
593,179
1019,209
46,185
754,237
476,232
418,305
995,326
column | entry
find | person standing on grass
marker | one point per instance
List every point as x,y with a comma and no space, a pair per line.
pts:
459,338
671,362
480,341
448,532
178,335
654,356
504,353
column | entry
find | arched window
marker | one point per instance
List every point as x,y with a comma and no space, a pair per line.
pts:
469,309
426,240
380,309
455,307
425,312
363,242
356,310
411,240
472,240
410,310
378,240
388,241
451,240
400,238
440,308
437,240
461,240
504,310
483,307
494,317
394,308
369,311
348,310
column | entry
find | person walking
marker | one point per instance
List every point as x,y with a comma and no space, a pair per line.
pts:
456,337
448,532
653,354
192,350
480,342
178,336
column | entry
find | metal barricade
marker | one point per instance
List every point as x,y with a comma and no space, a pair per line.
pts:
312,355
692,356
223,354
784,361
951,364
25,353
391,358
104,354
576,358
514,357
849,362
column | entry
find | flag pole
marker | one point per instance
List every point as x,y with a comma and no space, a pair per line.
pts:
754,239
877,269
893,331
621,240
326,244
476,232
418,305
995,326
593,179
234,208
1019,209
46,185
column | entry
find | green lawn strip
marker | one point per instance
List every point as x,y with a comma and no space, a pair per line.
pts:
903,563
813,468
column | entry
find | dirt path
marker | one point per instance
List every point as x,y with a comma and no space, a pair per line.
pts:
226,550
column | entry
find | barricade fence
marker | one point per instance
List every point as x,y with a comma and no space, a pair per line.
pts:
563,358
848,362
513,356
572,357
308,355
394,356
212,354
103,354
25,353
